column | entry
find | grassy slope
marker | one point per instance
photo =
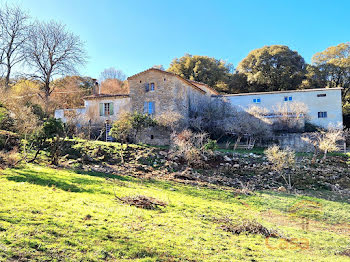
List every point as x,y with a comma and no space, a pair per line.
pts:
43,216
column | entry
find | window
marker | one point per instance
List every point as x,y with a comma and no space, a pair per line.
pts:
288,98
321,95
256,100
322,114
152,86
149,108
106,109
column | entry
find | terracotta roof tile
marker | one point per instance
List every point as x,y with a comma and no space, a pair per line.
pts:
105,96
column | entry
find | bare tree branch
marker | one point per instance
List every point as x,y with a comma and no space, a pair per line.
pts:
14,25
52,51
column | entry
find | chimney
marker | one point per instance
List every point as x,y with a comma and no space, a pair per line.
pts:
96,88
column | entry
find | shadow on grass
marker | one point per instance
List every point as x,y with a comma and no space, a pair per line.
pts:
102,175
319,194
63,182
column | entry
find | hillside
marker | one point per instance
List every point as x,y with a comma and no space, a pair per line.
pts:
63,215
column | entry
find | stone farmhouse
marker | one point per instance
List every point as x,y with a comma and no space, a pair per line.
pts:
155,92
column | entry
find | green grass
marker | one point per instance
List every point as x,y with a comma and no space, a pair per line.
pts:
44,216
255,150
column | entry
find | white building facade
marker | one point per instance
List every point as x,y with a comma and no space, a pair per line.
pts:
324,105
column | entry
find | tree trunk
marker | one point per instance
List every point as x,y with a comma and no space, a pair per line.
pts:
47,96
325,155
7,78
237,141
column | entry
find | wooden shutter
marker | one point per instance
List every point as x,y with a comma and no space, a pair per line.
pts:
102,109
147,87
111,108
145,108
153,107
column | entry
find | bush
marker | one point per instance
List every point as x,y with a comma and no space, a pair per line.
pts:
128,126
194,148
281,160
10,159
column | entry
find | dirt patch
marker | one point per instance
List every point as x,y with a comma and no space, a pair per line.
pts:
142,202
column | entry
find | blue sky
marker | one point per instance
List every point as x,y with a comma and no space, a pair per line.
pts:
135,35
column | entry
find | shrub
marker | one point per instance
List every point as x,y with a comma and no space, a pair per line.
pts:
194,148
325,141
11,158
281,160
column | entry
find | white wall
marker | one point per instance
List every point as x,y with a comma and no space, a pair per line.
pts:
93,109
80,113
331,103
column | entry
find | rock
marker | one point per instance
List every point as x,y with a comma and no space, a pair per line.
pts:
236,165
227,159
163,153
282,189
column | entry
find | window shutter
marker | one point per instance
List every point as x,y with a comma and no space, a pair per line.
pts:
153,108
145,108
147,87
111,109
101,109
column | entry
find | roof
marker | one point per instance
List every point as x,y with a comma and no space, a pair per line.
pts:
202,84
105,96
285,91
189,82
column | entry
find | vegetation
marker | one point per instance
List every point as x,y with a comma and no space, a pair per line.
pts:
281,159
272,68
52,214
208,70
194,148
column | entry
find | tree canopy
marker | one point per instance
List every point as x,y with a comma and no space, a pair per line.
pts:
333,68
211,71
273,68
334,65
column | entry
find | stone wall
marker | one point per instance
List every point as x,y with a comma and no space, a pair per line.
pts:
170,93
294,141
159,136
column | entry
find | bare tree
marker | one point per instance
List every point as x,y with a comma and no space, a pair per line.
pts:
171,119
112,73
52,51
325,141
14,25
282,160
290,116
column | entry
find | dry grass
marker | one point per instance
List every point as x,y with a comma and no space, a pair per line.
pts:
141,201
247,226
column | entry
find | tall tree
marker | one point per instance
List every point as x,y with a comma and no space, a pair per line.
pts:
52,51
273,68
333,65
208,70
14,25
112,73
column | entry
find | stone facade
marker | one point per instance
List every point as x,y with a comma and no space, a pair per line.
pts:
159,136
169,92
